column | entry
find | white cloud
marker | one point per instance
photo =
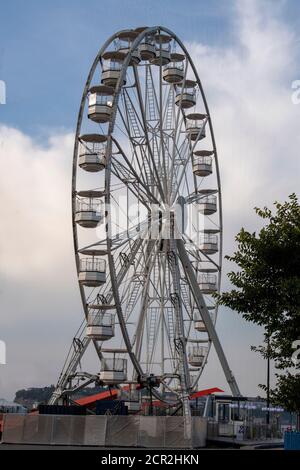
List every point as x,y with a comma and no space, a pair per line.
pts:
35,194
40,307
248,86
256,125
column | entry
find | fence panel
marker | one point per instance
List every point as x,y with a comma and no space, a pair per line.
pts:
95,430
61,430
178,432
152,431
122,431
37,429
13,428
77,430
199,432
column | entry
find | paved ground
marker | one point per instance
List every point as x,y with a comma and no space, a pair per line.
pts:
99,449
268,446
253,444
42,447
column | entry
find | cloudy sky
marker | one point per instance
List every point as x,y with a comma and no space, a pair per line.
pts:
247,54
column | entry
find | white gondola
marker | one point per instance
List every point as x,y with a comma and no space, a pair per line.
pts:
91,156
186,94
92,269
207,269
89,212
202,164
112,66
125,40
207,205
147,46
208,283
177,386
113,371
206,266
162,50
197,355
199,325
194,381
208,243
195,128
100,325
100,103
131,397
173,72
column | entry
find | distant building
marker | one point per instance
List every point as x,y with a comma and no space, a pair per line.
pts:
11,407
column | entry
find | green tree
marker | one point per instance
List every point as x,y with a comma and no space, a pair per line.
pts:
267,291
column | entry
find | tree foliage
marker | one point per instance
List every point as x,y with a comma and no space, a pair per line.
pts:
267,283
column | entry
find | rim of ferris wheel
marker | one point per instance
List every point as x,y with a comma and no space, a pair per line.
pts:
142,272
203,153
100,138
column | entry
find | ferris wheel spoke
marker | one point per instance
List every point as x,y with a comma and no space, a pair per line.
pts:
178,126
151,100
150,151
149,177
120,239
180,153
167,314
138,175
135,160
130,297
184,168
121,172
161,134
129,177
176,177
138,337
135,125
129,124
180,344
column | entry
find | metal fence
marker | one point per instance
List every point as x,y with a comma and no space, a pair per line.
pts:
106,431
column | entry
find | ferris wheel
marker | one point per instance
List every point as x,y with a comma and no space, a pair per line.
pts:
147,220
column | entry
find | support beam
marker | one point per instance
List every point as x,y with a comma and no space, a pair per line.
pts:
190,274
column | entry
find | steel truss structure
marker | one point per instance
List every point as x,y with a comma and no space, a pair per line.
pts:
145,152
